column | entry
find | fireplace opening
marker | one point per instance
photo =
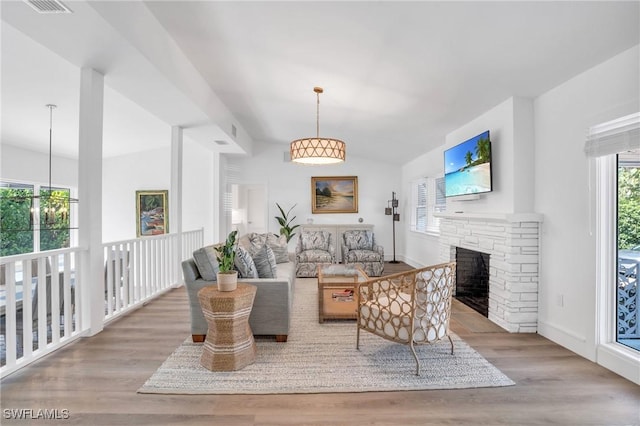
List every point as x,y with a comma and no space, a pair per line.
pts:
472,279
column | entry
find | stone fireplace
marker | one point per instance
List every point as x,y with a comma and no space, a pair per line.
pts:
512,243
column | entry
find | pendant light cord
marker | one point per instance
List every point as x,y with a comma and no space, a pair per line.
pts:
318,116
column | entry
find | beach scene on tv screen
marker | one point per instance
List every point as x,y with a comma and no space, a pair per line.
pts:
467,167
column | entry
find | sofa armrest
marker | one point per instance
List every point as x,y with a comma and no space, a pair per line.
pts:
379,249
190,270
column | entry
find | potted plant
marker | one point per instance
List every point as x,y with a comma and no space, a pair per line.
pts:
286,228
226,255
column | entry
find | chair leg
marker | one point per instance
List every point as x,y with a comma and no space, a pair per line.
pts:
451,340
415,356
358,338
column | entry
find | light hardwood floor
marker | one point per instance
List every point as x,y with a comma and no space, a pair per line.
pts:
96,380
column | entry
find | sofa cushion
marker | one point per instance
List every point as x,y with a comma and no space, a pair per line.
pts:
265,261
359,239
206,262
244,264
314,256
354,256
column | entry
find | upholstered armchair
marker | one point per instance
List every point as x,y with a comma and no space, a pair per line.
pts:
412,308
314,248
359,248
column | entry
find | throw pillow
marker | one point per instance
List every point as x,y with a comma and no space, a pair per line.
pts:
277,243
279,246
244,264
265,261
245,242
257,240
206,262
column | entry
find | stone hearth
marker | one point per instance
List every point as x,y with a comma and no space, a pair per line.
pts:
512,241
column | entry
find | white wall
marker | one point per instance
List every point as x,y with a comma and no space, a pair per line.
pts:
33,167
511,155
122,176
511,126
562,193
289,184
197,190
419,249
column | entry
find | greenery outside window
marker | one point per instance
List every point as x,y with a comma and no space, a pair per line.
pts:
26,222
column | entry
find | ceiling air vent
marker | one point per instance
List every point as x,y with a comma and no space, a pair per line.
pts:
220,142
48,6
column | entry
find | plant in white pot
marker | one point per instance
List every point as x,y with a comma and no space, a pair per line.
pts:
226,255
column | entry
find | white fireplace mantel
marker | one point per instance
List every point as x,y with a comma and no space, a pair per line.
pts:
492,217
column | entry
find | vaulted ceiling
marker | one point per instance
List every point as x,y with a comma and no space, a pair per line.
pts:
398,76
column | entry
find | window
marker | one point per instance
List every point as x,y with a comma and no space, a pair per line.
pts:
15,212
615,146
628,244
428,197
25,221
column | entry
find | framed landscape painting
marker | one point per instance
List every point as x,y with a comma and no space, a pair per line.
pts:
334,194
152,213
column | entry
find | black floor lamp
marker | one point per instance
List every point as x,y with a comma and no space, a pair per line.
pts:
395,217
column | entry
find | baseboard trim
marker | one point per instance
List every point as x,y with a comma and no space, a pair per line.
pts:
622,361
566,338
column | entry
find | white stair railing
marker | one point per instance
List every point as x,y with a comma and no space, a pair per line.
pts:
39,305
135,272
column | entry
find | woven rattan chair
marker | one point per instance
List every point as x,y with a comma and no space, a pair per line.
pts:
411,307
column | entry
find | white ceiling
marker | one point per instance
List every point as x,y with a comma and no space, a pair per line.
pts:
398,76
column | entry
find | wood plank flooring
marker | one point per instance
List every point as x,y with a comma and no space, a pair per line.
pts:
96,379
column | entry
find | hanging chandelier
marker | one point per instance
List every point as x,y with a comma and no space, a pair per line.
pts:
54,204
318,150
49,209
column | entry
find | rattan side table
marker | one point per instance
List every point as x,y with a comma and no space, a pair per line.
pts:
229,344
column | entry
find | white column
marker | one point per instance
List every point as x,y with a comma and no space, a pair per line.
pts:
175,198
91,279
218,193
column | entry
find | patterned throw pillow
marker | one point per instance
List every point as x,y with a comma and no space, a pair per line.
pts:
257,240
265,261
279,246
206,262
244,264
277,243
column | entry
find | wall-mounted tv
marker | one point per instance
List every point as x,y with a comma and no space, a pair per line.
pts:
467,167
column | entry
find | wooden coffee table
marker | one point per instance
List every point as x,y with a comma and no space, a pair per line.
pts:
229,344
337,291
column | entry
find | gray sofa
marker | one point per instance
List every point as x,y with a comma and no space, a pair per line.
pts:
271,313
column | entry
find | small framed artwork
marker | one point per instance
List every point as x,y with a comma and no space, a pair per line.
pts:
152,213
334,194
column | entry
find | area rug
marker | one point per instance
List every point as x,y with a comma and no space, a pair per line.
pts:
322,358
